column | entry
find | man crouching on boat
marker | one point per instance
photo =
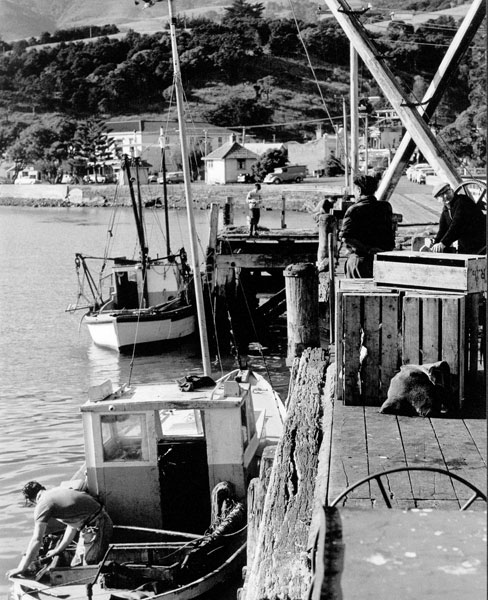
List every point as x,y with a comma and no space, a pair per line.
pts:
79,511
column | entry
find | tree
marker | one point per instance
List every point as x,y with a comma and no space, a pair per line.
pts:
242,9
91,143
269,161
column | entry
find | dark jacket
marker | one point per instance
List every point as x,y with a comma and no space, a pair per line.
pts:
370,223
464,221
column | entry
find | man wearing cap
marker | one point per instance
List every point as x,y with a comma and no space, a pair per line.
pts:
79,511
367,229
461,220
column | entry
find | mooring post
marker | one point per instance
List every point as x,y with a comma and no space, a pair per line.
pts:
229,211
212,243
302,307
283,215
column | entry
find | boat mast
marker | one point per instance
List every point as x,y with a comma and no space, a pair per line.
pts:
189,200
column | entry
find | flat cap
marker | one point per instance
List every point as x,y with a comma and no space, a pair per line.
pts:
440,188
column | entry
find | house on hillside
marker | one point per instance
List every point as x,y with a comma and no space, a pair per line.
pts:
227,162
146,138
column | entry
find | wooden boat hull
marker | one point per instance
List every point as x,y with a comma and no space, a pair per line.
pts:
69,583
119,330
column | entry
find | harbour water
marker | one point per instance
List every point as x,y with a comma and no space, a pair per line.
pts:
47,360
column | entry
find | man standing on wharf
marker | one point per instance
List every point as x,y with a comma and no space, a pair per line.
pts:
462,220
367,228
79,511
254,203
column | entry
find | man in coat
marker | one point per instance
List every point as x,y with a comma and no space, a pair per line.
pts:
461,220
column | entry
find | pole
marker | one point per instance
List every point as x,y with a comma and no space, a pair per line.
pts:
189,200
165,197
346,144
354,104
366,142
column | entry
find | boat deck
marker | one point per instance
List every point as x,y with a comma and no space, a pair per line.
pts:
363,441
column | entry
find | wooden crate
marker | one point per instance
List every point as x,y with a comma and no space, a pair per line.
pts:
427,270
366,319
443,327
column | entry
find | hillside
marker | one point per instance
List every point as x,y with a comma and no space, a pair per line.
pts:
22,19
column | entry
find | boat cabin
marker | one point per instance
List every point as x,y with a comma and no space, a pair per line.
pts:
154,453
162,282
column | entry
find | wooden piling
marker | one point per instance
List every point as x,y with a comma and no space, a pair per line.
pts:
279,567
302,301
229,211
283,215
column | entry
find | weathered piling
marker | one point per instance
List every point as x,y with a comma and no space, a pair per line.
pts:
302,301
229,211
278,565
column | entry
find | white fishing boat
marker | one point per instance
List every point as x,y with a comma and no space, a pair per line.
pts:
145,301
171,468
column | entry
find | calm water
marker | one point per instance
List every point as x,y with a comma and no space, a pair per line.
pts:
47,361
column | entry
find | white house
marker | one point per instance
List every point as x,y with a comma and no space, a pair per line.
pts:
227,162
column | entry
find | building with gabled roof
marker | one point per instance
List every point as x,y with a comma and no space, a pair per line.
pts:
227,162
145,138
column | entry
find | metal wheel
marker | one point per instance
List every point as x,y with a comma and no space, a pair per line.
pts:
377,476
475,189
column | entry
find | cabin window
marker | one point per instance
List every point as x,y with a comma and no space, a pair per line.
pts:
182,423
123,438
241,163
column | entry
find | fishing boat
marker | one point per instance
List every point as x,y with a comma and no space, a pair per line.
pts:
171,465
143,301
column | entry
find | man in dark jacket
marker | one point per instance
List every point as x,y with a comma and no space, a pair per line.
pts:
367,228
462,220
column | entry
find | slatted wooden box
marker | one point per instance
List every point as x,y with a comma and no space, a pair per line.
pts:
427,270
366,317
444,327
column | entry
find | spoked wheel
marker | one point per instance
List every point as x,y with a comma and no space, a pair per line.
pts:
477,493
475,189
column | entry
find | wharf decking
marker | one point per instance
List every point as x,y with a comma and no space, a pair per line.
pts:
360,441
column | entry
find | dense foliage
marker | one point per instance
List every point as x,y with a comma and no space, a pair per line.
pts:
262,58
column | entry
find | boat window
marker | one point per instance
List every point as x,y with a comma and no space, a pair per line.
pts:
123,437
182,423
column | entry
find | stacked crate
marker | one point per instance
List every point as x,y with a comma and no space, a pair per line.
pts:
419,308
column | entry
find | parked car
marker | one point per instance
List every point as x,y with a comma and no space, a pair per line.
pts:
92,178
422,175
152,178
413,168
172,177
417,174
296,173
245,178
28,177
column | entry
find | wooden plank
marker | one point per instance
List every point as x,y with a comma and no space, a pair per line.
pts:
370,368
348,456
385,451
339,346
461,454
422,449
408,275
352,342
411,331
451,324
477,430
434,555
390,349
280,260
472,326
430,329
